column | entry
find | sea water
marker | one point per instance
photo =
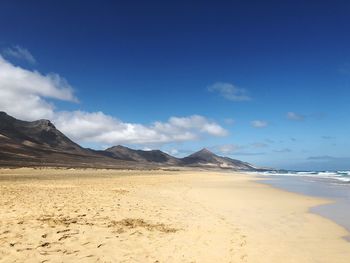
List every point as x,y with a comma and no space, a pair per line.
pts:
342,176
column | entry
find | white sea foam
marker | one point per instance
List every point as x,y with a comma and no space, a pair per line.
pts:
343,176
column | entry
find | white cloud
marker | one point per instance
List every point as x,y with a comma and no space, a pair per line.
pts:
173,152
19,53
24,94
196,122
229,91
295,116
259,124
146,149
100,128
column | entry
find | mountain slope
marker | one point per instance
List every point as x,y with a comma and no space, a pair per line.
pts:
41,133
25,143
153,156
205,158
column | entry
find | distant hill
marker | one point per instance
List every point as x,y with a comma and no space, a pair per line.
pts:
153,156
39,143
205,158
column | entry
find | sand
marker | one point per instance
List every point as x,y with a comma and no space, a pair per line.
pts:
52,215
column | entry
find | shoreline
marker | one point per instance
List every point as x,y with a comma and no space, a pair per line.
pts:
338,208
160,216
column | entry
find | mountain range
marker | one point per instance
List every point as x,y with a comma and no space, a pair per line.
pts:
39,143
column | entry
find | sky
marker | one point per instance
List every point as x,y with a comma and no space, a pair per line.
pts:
267,82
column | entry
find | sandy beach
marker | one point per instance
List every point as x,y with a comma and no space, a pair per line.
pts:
52,215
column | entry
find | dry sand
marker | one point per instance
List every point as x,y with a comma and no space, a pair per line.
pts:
159,216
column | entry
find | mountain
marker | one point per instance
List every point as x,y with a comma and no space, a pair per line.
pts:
24,143
39,143
37,133
205,158
153,156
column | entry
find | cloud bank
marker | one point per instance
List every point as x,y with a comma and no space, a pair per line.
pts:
24,93
101,128
29,95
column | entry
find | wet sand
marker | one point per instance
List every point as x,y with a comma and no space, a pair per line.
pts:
335,190
52,215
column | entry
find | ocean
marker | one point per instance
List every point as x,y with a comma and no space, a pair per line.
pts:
341,176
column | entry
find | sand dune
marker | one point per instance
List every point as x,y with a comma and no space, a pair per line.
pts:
52,215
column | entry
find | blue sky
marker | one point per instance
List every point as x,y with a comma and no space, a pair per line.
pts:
262,81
